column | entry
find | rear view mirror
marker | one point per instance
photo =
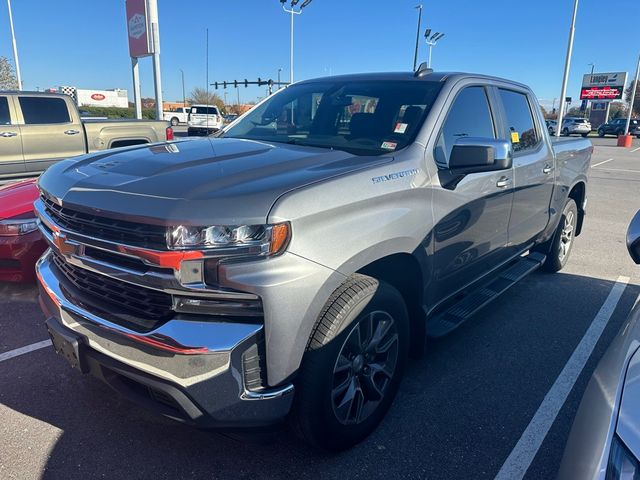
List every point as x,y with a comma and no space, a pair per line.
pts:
473,155
633,238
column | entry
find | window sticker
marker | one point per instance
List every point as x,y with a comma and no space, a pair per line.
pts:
401,127
515,138
389,145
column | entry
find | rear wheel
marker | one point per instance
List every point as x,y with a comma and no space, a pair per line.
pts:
585,135
558,248
353,365
600,132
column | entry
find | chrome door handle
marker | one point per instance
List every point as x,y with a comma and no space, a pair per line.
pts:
503,182
547,169
71,132
8,134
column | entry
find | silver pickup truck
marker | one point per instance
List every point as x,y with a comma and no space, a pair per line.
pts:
289,267
38,129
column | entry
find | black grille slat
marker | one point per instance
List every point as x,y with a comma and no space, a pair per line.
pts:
121,231
145,308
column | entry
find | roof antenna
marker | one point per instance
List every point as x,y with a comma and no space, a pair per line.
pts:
423,70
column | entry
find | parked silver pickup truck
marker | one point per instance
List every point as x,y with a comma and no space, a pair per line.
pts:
288,268
38,129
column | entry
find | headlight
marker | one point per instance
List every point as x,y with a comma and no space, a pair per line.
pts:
236,239
622,464
13,226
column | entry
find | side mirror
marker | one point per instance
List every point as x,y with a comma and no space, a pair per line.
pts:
473,155
633,238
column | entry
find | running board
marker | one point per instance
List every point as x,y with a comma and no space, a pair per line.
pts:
458,313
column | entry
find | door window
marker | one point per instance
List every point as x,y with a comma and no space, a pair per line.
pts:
520,125
44,110
5,117
469,116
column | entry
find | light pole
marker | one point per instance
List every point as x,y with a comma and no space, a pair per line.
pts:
592,67
567,64
184,97
15,47
633,97
431,40
279,70
293,12
415,54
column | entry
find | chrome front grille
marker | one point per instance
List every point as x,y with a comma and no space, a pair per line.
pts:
132,306
110,229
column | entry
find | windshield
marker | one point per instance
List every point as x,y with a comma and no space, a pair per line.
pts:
364,118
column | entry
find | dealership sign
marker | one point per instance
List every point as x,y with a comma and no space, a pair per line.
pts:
603,86
137,26
98,96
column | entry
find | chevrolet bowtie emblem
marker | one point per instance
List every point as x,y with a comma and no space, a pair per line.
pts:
60,241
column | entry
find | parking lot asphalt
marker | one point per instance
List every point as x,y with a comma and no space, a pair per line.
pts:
460,412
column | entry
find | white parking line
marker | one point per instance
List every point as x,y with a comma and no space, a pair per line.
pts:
635,149
522,455
618,170
22,350
605,161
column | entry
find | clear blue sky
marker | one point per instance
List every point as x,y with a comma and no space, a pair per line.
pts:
84,42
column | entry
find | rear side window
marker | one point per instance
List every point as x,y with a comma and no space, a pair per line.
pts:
44,110
5,118
521,128
469,116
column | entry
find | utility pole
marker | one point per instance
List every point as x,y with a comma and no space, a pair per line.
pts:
184,97
592,67
415,54
15,47
633,97
567,65
279,70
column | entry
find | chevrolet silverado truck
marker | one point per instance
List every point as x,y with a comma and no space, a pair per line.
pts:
288,267
39,129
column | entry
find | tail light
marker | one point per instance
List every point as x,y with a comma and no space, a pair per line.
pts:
169,133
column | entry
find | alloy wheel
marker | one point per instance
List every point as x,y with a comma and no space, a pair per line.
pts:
364,368
566,235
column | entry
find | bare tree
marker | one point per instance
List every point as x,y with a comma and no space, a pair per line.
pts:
199,96
636,101
8,80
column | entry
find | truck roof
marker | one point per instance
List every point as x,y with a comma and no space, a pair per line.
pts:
410,76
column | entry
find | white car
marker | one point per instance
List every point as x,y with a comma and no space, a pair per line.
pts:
204,120
580,126
176,116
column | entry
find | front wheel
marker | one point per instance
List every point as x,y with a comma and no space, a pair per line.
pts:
353,365
600,132
565,132
585,135
559,247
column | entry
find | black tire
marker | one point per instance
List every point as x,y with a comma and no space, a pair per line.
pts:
174,121
565,132
619,132
601,133
322,414
585,135
557,258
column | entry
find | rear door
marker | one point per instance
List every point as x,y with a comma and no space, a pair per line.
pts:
11,158
472,219
49,131
533,166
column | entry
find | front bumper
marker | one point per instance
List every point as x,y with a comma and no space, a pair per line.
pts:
18,256
191,371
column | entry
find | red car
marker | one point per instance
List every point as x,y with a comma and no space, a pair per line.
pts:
21,243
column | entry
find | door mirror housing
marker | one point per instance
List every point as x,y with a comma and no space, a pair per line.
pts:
474,155
633,238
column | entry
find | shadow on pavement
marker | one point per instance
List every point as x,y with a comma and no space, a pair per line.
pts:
459,412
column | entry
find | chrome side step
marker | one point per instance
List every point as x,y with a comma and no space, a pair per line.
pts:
450,319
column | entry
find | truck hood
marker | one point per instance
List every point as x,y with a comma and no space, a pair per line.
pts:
194,182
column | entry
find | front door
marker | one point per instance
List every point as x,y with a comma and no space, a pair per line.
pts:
471,219
11,158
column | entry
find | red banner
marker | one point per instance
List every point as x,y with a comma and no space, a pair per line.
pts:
137,27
